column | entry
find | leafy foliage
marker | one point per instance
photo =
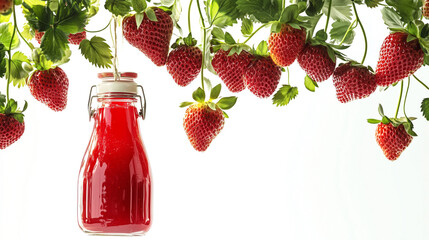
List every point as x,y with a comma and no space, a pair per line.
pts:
118,7
284,95
18,75
261,10
409,10
341,10
97,51
6,32
222,13
339,30
425,108
2,60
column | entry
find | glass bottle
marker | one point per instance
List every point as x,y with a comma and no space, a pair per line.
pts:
114,179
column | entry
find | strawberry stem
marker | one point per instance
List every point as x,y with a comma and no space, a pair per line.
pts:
251,35
406,95
17,30
288,76
100,29
329,15
204,44
283,4
421,82
352,26
363,32
10,53
189,15
400,99
115,44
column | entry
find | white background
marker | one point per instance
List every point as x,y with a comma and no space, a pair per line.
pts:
310,170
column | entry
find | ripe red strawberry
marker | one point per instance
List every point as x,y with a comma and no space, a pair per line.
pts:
286,45
184,64
5,6
202,124
10,130
398,59
426,8
50,87
151,38
392,140
73,38
231,68
77,38
353,82
315,61
262,76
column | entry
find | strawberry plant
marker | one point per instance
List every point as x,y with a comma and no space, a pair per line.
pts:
149,27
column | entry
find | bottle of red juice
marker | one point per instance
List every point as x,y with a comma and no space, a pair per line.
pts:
114,179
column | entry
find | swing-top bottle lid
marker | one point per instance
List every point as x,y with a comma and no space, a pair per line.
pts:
124,84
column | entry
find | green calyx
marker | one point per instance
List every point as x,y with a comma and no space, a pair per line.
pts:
187,41
224,103
406,121
225,41
11,108
321,38
261,50
290,16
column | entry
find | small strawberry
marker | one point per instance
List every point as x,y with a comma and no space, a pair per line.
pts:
5,6
50,87
184,62
77,37
262,76
426,8
205,119
12,124
399,58
315,61
285,45
151,37
353,81
73,38
231,69
393,135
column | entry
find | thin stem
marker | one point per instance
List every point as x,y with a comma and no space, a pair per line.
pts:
406,95
189,15
16,29
204,44
288,76
421,82
283,4
255,32
115,58
100,29
400,99
363,32
10,53
329,15
351,26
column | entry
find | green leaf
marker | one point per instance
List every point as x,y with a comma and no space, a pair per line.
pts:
2,60
276,27
289,14
409,10
18,74
71,20
425,108
229,39
6,32
118,7
227,102
391,19
26,33
199,95
150,13
223,13
310,84
5,18
185,104
262,10
338,31
225,115
97,51
2,100
373,121
212,105
284,95
139,5
139,19
409,128
54,44
19,117
321,35
218,33
341,10
246,27
38,16
262,49
215,92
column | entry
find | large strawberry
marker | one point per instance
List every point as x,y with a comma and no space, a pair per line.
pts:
205,119
231,68
393,135
285,45
73,38
353,81
184,62
399,58
151,37
5,6
12,124
50,87
316,62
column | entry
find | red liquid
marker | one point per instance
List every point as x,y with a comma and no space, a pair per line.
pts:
115,180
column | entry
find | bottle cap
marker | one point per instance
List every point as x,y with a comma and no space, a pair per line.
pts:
125,83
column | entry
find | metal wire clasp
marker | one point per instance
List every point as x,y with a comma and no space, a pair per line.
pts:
142,111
